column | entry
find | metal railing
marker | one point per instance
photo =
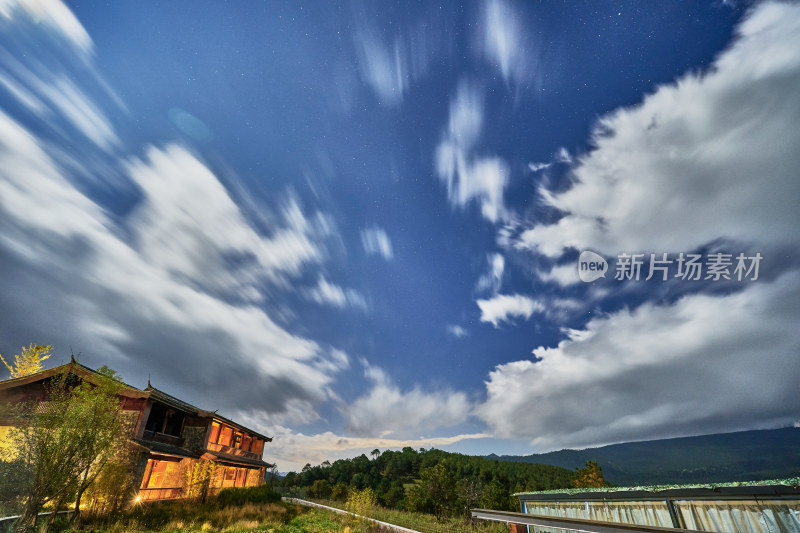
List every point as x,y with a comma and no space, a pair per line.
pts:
570,524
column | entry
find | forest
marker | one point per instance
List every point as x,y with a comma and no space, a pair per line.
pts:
433,481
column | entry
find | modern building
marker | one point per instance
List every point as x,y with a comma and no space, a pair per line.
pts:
168,436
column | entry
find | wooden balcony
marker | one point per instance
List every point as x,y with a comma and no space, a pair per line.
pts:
231,451
155,436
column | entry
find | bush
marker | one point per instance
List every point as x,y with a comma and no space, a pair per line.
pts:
243,495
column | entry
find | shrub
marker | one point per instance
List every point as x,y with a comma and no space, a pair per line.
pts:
243,495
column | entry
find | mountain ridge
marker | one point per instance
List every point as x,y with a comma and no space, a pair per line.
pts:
752,455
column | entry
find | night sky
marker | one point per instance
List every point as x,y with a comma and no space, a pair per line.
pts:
358,225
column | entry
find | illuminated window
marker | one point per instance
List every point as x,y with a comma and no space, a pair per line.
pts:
225,435
214,436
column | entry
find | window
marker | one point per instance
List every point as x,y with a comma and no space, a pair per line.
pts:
237,440
213,437
225,435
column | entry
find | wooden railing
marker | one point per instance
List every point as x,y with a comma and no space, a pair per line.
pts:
155,436
233,451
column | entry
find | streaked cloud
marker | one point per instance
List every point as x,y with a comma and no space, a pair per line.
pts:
505,42
506,307
327,293
155,283
376,241
54,14
469,178
703,365
493,279
391,63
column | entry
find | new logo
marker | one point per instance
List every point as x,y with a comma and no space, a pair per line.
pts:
591,266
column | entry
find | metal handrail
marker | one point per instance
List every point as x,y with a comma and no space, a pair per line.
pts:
571,524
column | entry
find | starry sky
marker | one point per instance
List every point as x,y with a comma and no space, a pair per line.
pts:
357,225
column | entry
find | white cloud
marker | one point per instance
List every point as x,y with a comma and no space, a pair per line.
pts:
129,295
562,156
493,279
384,68
376,241
563,275
387,410
536,167
469,178
705,364
292,450
713,156
79,110
504,307
53,13
505,43
389,63
457,331
188,225
327,293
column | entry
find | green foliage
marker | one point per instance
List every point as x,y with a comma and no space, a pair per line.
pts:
199,477
435,493
430,481
245,495
361,502
65,442
114,487
29,361
339,492
320,489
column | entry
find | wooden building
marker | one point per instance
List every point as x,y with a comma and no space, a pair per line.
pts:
169,436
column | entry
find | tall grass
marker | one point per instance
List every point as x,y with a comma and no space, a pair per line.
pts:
211,517
424,523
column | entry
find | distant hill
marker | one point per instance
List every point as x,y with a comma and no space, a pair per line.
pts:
741,456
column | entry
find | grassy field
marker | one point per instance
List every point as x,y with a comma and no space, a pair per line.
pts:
186,517
425,523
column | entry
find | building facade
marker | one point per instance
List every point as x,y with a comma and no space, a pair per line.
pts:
169,437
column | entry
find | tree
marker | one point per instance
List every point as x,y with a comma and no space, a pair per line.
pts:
30,361
496,496
590,476
375,453
104,429
339,492
64,442
470,492
438,490
273,475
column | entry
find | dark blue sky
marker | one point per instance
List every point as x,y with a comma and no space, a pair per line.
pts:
357,225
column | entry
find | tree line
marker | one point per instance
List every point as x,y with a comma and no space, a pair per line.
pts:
434,481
